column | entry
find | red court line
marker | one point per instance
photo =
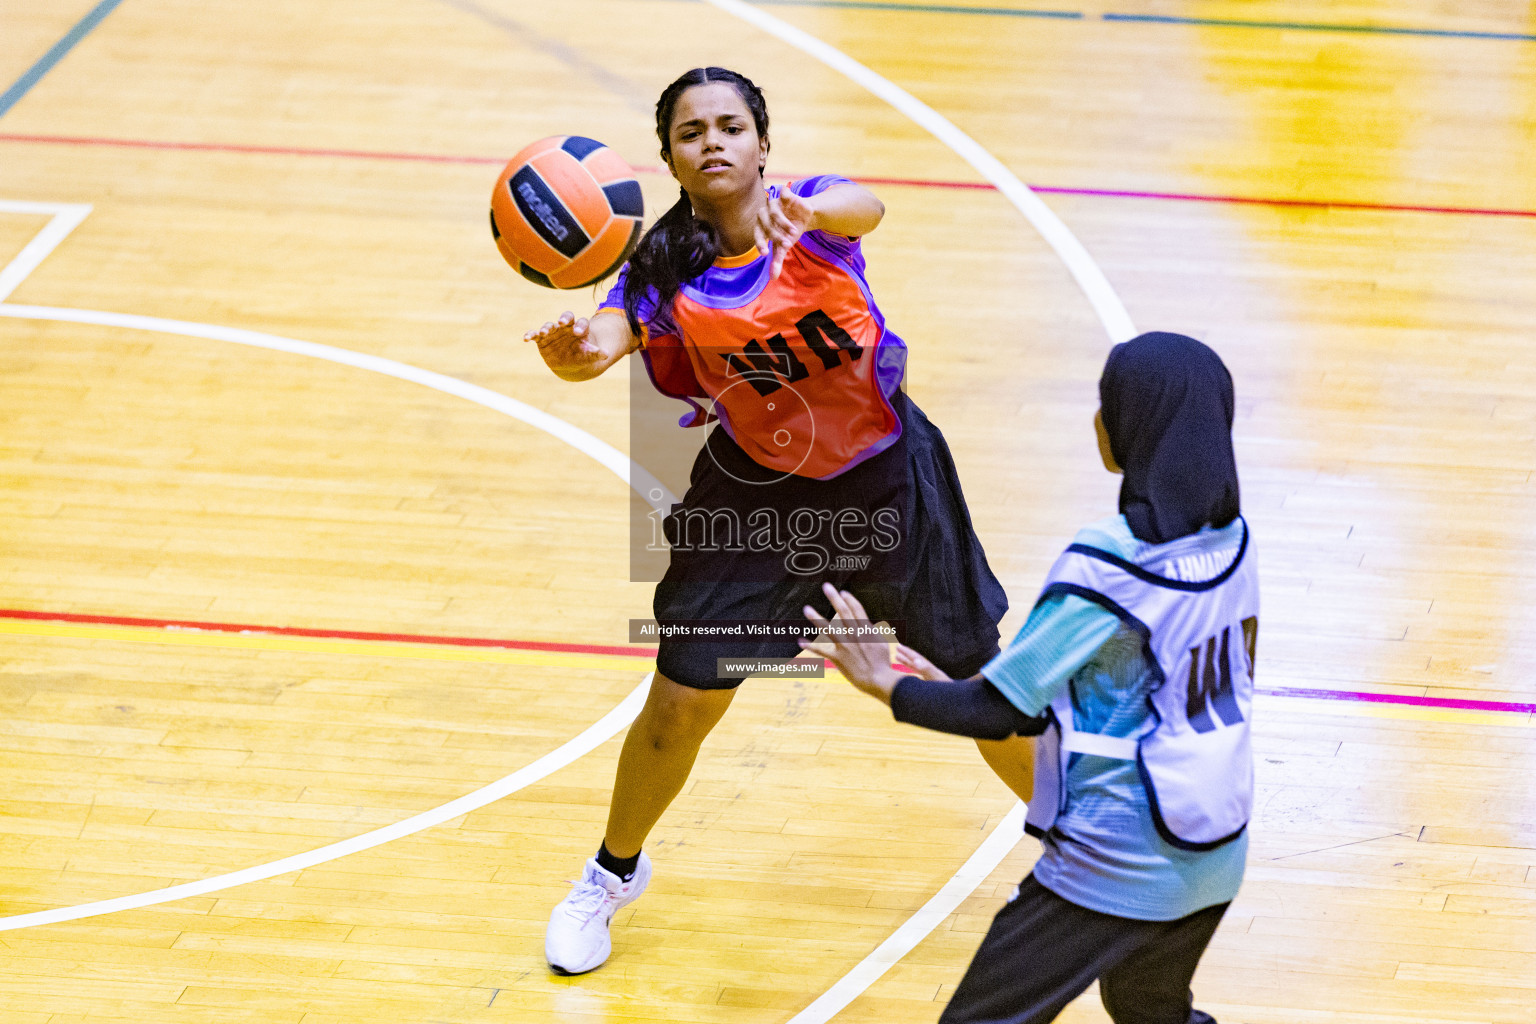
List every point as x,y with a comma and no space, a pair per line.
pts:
230,147
491,161
325,634
1355,696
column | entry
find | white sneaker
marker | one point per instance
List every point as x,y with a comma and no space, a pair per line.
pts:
577,938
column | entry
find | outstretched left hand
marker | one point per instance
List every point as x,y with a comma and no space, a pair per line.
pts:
864,662
780,223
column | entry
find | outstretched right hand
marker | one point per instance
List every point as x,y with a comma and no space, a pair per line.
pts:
565,345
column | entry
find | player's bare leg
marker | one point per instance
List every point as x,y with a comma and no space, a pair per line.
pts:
658,754
1013,760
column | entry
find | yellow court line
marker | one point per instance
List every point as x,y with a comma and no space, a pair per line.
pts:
322,645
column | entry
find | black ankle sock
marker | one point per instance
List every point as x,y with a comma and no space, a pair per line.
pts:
624,867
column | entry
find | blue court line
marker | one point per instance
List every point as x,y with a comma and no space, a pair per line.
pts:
46,62
1156,19
876,5
1307,26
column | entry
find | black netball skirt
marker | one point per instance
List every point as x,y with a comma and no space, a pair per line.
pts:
751,548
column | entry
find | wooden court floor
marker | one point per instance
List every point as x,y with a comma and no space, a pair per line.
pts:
246,589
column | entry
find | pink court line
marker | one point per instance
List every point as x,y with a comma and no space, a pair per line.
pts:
1356,696
490,161
1451,703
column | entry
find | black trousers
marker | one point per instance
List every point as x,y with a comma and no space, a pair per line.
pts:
1042,952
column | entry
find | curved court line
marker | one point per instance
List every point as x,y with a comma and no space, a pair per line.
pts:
1106,304
1101,296
588,740
916,928
636,476
1117,323
639,479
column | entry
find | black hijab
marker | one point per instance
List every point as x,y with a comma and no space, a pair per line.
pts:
1167,407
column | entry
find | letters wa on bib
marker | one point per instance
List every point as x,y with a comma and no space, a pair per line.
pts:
804,378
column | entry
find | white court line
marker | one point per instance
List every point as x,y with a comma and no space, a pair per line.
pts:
1110,310
1090,279
66,217
916,928
589,739
1117,324
636,476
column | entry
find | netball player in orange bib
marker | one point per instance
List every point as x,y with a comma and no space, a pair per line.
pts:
750,303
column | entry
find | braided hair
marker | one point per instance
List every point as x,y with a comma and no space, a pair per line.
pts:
679,246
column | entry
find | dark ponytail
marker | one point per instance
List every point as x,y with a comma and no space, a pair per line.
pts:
679,247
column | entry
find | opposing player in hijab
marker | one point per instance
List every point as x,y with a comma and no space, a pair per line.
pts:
1135,670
